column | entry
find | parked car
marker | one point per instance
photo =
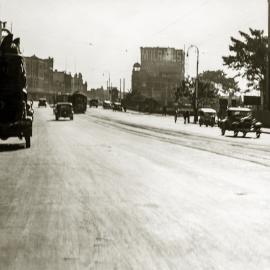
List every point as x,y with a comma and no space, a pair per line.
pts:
42,102
240,119
207,116
117,106
64,110
93,103
107,104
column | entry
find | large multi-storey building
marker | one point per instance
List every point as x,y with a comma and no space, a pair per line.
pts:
77,83
39,73
62,82
43,81
159,74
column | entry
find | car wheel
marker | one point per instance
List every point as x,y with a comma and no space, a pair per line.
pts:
235,133
27,141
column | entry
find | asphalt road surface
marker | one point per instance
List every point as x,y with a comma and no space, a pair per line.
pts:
114,190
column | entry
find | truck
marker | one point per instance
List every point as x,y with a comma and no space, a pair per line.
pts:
79,102
16,112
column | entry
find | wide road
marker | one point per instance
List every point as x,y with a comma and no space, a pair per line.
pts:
120,191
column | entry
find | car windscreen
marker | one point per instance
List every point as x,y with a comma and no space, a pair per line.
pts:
240,114
64,107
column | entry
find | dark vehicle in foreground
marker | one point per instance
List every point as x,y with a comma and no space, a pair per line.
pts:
93,103
107,104
42,102
117,106
240,119
63,110
16,112
79,102
207,116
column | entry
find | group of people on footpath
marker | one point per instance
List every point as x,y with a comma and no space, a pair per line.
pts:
186,116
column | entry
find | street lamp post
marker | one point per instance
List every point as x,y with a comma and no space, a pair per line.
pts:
197,82
108,82
267,92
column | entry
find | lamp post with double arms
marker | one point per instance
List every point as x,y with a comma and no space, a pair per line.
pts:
197,82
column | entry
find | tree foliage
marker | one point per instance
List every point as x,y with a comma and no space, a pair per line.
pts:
219,77
249,57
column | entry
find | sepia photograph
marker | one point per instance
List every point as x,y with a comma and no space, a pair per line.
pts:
134,135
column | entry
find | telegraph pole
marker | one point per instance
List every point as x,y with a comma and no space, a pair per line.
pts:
120,88
196,82
267,94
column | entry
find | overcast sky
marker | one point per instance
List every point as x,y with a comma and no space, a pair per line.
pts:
98,37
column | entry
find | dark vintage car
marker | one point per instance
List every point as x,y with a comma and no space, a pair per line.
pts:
207,116
240,119
117,106
93,103
42,102
64,110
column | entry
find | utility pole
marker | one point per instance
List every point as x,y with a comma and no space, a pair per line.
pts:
120,89
196,83
267,90
0,32
124,86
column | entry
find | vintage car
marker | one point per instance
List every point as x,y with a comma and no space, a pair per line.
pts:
240,119
207,116
93,103
42,102
117,106
107,104
64,110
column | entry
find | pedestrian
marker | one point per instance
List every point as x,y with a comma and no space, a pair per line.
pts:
185,117
176,115
188,116
165,110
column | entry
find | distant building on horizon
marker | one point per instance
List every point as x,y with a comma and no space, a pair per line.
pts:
39,74
159,74
44,81
77,83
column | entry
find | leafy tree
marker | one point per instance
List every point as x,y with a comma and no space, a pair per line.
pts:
219,77
249,57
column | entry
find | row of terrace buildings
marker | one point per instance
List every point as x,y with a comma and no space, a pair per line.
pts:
44,81
159,74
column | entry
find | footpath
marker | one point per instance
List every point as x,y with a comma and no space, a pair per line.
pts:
158,121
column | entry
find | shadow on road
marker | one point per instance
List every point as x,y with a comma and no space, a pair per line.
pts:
59,120
239,137
11,147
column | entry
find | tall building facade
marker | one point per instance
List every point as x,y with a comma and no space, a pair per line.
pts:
62,82
39,74
43,81
160,73
77,83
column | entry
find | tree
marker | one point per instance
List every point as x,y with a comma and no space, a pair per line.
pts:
249,57
219,77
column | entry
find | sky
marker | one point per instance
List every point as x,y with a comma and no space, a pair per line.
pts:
102,38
